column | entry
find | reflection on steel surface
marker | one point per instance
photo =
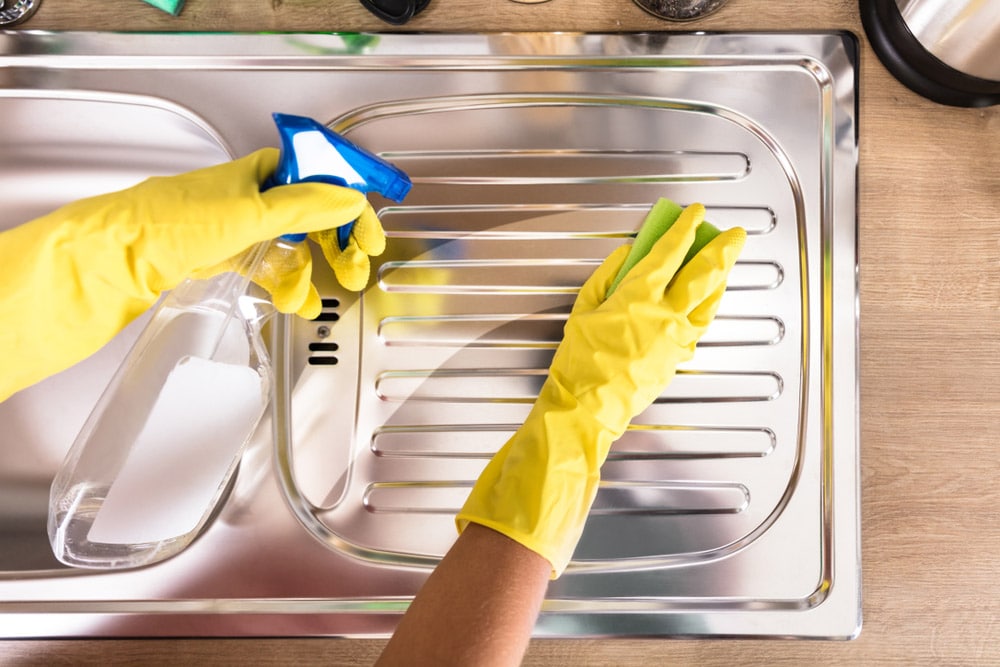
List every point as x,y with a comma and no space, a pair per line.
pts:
730,507
18,11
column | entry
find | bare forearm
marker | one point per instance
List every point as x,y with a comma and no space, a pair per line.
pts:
478,607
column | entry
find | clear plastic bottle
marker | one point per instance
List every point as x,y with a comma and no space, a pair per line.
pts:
154,459
157,453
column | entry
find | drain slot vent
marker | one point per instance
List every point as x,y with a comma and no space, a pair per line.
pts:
323,359
326,350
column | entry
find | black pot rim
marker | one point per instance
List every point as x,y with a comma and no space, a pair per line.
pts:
413,7
906,58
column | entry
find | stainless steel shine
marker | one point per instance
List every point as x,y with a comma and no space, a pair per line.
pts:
730,508
681,10
964,34
17,11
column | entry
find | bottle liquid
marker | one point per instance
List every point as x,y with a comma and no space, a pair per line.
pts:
154,459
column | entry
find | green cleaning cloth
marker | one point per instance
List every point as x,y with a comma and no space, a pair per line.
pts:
659,219
170,6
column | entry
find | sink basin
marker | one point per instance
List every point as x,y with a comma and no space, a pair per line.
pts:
729,508
59,146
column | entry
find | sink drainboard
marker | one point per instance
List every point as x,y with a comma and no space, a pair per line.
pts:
730,507
468,305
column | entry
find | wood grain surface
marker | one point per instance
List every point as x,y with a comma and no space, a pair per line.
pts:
930,351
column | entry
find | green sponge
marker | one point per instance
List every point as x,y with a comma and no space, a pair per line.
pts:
170,6
659,219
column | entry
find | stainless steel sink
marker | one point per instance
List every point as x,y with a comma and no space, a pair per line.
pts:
730,507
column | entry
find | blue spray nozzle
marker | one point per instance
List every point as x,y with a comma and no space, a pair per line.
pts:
312,152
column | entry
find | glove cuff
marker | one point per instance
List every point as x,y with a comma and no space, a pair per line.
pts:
538,489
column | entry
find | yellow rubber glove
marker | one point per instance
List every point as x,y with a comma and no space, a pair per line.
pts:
617,355
73,278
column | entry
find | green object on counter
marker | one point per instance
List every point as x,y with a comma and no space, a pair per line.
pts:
659,219
170,6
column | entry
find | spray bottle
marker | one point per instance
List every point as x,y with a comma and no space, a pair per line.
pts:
154,459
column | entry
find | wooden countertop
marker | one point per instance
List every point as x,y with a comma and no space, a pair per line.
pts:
930,350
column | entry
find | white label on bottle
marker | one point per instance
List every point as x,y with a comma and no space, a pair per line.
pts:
204,414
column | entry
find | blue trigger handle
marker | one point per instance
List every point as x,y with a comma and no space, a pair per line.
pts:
344,235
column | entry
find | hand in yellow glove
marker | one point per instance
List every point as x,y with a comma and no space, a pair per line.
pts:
617,355
292,291
75,277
